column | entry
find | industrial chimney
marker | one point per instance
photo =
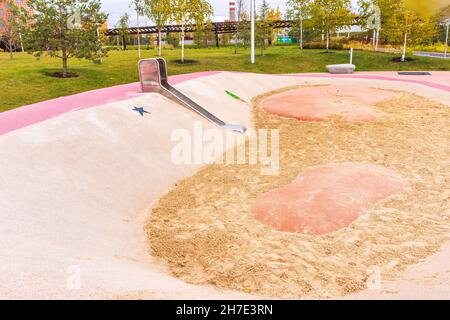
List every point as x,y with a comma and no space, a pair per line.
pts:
232,11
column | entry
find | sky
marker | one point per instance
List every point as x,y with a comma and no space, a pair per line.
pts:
116,8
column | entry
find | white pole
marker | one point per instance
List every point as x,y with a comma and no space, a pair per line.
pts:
252,39
446,40
138,31
100,50
351,55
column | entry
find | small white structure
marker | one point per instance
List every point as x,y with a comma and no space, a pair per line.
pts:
346,68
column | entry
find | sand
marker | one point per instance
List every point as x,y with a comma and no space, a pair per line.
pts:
204,232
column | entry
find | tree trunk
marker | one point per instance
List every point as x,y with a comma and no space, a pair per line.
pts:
159,42
10,49
124,42
446,40
328,40
21,42
301,32
64,62
405,38
374,37
182,41
100,53
377,38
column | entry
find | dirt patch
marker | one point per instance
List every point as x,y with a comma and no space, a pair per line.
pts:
205,232
59,74
186,61
399,59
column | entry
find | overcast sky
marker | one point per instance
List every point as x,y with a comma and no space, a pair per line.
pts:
115,8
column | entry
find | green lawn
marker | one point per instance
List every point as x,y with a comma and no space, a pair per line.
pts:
24,81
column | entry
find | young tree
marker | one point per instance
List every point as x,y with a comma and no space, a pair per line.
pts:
138,6
297,11
330,15
185,12
65,29
158,11
263,27
241,10
245,32
408,23
122,25
272,15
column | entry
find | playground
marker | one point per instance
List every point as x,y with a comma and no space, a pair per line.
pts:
90,190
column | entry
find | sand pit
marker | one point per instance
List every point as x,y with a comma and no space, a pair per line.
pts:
205,232
89,189
326,198
318,103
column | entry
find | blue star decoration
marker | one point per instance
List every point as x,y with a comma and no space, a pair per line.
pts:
140,110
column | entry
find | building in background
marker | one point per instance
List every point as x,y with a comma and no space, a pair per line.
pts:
5,14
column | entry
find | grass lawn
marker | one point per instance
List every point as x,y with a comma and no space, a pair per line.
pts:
24,80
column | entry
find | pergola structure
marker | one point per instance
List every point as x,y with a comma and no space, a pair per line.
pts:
216,27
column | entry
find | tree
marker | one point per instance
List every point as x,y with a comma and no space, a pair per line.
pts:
272,15
204,35
185,12
122,26
330,15
240,6
158,11
65,29
245,32
407,23
297,11
10,27
138,6
263,27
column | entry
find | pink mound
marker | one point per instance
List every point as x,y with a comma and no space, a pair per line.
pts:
320,102
326,198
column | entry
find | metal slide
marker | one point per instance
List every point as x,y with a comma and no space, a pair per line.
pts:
153,77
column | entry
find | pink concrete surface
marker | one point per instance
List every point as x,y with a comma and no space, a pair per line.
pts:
326,198
320,102
438,80
41,111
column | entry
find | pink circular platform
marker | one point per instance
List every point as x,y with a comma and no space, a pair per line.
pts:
326,198
318,103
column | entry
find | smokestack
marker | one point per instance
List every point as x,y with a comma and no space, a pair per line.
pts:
232,11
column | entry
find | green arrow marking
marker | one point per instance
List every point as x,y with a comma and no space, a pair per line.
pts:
231,94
